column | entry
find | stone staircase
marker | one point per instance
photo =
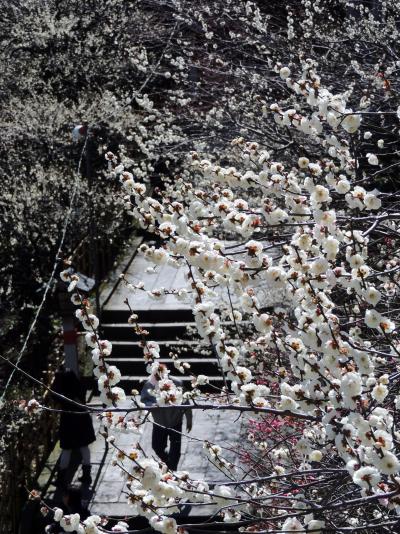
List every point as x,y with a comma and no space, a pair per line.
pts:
169,329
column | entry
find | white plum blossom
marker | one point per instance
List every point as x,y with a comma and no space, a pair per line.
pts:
121,526
58,514
379,392
320,194
316,526
284,73
70,523
303,163
372,159
315,456
166,525
372,202
373,319
351,123
372,295
366,477
388,464
343,186
292,524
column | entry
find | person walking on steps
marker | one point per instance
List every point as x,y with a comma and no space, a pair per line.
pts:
76,428
167,426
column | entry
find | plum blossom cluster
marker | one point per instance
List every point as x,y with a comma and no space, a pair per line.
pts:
310,229
93,524
156,493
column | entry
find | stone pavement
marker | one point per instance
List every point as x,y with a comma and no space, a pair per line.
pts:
168,277
221,428
121,265
164,276
108,493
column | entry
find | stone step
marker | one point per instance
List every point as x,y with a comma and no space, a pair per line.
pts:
137,366
136,382
158,315
157,331
131,349
124,331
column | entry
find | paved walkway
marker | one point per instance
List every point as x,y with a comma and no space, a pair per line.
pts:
217,427
108,497
169,277
223,428
137,271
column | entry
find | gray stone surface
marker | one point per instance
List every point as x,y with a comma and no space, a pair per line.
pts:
165,276
170,277
121,264
108,495
222,427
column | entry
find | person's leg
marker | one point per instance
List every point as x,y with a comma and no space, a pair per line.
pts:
65,458
174,454
159,442
85,454
86,477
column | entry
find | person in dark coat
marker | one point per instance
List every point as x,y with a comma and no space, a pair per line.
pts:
167,426
76,429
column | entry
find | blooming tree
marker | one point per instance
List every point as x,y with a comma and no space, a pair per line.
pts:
302,220
189,79
310,229
61,65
